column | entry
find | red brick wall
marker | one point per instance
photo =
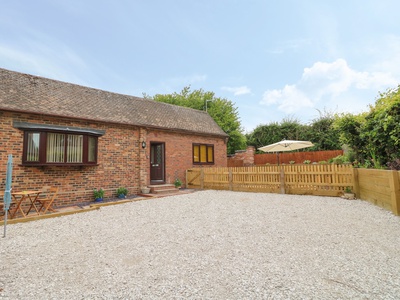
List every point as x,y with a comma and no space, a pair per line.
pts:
242,158
122,161
178,152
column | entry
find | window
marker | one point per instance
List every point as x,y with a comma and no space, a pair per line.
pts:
59,148
203,154
56,145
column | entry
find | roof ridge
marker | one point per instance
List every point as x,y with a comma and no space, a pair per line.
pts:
40,95
98,89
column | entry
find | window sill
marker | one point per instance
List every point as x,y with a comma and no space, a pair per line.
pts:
57,165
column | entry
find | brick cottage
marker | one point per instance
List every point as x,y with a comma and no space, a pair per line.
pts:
79,138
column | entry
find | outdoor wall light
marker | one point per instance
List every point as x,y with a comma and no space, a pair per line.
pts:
143,144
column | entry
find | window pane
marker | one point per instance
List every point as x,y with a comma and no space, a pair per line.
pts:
33,147
203,153
75,148
92,149
196,153
210,154
55,147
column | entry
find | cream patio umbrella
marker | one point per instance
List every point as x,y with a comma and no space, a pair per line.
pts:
286,145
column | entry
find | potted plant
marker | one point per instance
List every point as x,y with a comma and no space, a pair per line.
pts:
178,183
348,193
98,195
145,190
122,192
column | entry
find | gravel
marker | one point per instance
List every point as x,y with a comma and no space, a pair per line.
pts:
207,245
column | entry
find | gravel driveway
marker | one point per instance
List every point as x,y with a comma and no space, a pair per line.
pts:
207,245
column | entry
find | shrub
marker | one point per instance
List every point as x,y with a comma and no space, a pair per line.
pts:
98,194
122,191
178,183
338,160
394,164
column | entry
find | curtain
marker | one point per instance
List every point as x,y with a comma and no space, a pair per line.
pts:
196,153
92,149
210,154
203,153
33,147
55,147
74,148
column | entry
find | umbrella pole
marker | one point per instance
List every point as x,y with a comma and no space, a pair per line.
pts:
7,194
5,223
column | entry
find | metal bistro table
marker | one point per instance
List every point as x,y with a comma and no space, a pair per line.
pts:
20,197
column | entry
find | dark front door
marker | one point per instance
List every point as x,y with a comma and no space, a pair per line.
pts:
157,165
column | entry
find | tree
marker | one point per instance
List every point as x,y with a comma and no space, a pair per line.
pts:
264,135
221,110
350,127
322,132
375,136
381,130
289,129
292,129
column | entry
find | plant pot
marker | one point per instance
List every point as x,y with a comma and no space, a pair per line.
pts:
145,190
98,200
121,196
349,196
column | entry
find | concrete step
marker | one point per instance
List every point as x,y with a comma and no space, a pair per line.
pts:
163,189
166,191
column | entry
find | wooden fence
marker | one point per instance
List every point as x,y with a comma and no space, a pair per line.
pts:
298,157
380,187
324,180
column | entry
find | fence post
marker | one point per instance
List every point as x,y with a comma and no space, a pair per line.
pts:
356,186
230,178
202,179
282,177
395,192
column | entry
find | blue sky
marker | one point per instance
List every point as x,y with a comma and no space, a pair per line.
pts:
273,59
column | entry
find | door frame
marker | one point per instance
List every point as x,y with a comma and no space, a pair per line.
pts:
157,181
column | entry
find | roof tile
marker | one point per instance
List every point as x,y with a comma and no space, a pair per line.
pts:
33,94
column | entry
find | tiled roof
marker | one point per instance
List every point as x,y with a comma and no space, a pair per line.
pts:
33,94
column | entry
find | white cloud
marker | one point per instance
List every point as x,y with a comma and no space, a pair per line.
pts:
328,85
289,99
237,91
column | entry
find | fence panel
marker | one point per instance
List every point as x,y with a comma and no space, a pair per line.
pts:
327,180
291,179
374,187
216,178
380,187
256,179
298,157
